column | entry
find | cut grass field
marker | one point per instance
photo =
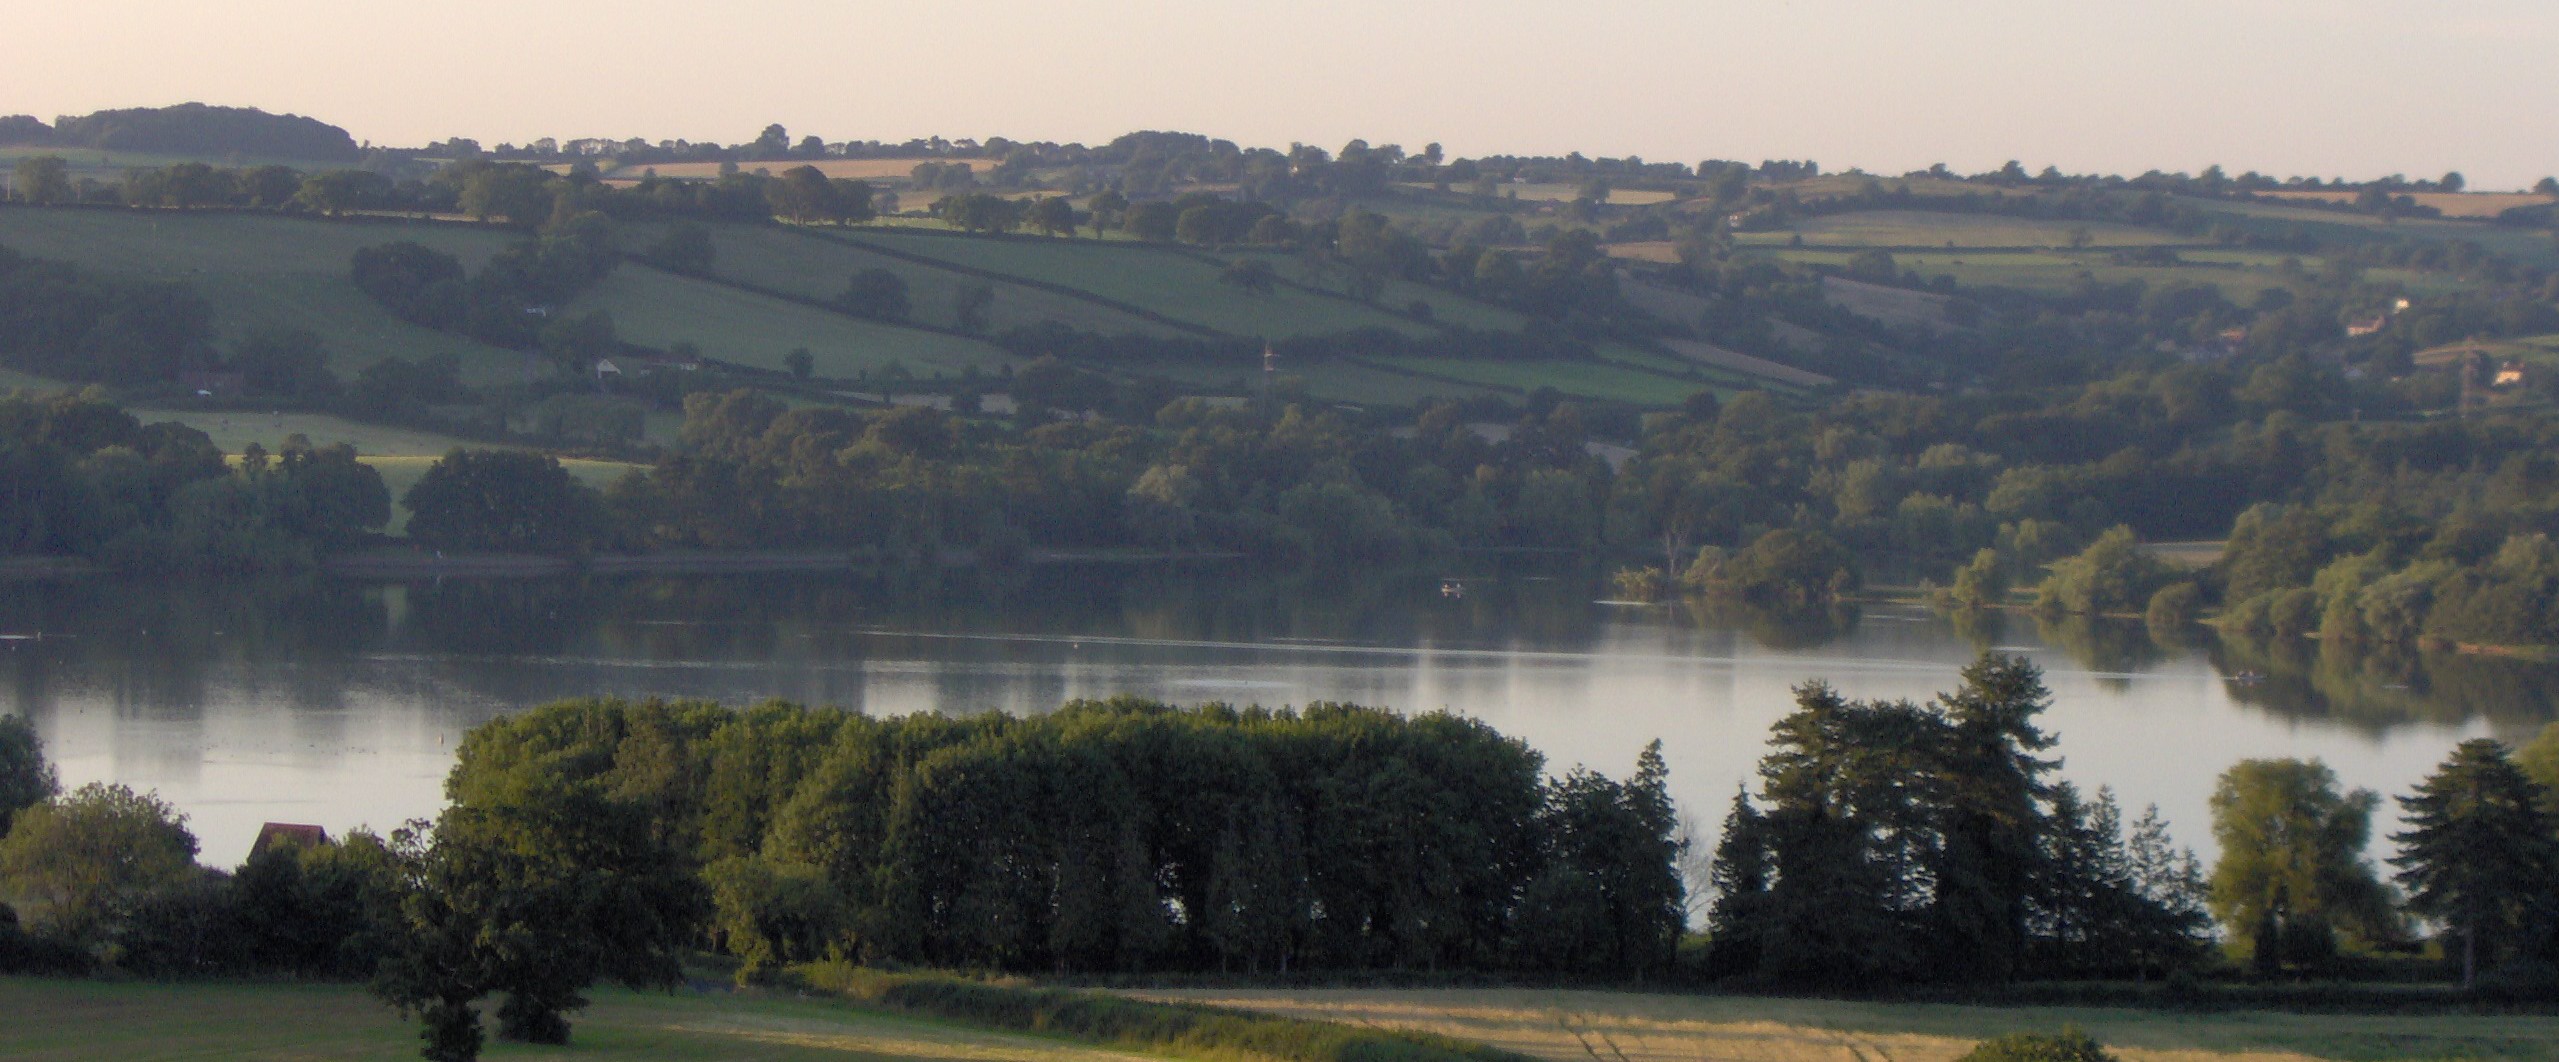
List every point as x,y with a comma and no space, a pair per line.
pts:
661,309
852,169
263,271
1925,228
814,266
1581,1026
75,1021
2053,272
1163,281
2452,204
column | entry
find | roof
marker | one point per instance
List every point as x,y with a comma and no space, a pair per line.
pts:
293,833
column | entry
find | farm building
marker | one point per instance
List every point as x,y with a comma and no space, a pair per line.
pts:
287,833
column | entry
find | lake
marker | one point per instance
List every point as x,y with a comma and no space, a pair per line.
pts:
340,703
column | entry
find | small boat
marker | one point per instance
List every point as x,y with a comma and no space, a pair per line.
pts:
1452,588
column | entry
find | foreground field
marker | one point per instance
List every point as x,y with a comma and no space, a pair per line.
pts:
1565,1026
57,1021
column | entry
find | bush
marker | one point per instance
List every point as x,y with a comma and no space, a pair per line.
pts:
2175,605
2071,1046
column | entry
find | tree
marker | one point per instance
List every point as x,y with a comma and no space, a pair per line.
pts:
686,248
968,308
288,364
26,780
43,179
876,293
74,864
502,500
335,192
2478,853
1251,274
2292,868
800,362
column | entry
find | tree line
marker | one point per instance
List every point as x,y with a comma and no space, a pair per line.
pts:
593,840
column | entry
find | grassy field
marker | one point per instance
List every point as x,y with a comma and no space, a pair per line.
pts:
777,259
234,430
111,165
1924,228
661,309
2528,245
266,272
2453,204
1163,281
1573,1026
62,1021
1588,379
858,169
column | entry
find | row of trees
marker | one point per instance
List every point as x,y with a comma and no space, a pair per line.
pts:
80,476
594,840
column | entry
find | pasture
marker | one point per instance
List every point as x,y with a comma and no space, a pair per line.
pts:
2452,204
234,430
1587,1026
1163,281
817,265
661,309
1589,379
850,169
263,271
75,1021
1936,229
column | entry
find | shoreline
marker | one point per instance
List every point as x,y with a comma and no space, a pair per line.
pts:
410,564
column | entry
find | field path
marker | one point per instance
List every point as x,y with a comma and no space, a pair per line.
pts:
1587,1026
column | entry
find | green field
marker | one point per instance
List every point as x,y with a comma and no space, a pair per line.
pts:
2524,244
1592,379
816,267
660,309
1583,1026
61,1021
2053,272
1924,228
111,165
1163,281
262,271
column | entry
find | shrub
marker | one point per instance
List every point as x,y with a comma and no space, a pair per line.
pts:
2071,1045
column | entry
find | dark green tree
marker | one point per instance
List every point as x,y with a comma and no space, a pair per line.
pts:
502,500
26,780
2478,853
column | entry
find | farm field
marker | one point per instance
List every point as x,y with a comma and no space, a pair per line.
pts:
2527,245
234,430
1588,379
1565,193
817,266
267,272
2453,204
1583,1026
1163,281
851,169
110,165
1923,228
2049,272
661,309
147,1022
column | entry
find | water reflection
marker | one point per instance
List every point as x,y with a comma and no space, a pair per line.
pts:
338,702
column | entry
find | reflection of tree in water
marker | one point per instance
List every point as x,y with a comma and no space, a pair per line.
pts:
157,642
2113,648
2374,688
1803,627
1983,628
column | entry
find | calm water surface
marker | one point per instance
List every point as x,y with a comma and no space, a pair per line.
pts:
340,703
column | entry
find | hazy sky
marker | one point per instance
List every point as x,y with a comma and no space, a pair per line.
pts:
2329,87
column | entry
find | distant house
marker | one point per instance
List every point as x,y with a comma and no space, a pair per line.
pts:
2508,375
2364,326
213,383
287,833
604,367
649,363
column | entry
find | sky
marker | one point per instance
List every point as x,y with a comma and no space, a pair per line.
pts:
2331,88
